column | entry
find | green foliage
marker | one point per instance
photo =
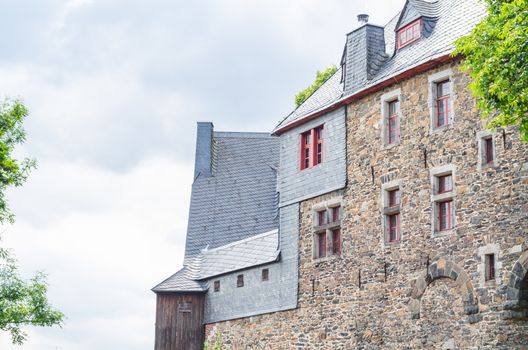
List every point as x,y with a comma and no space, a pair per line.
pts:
217,345
320,79
496,57
23,302
12,171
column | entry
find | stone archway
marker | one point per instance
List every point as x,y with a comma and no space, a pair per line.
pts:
516,305
442,267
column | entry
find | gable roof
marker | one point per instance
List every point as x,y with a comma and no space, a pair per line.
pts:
250,252
240,198
454,18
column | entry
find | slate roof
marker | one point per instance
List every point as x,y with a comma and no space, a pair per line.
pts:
249,252
240,199
254,251
451,20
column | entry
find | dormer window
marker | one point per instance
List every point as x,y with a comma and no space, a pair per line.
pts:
409,33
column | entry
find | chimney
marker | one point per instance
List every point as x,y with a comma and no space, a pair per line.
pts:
363,18
204,147
365,54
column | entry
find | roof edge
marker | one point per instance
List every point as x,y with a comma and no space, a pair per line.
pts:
420,68
251,238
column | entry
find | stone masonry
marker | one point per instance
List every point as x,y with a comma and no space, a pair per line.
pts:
427,290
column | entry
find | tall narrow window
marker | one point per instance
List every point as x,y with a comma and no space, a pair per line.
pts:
444,216
490,267
391,211
488,151
393,227
240,281
318,156
443,91
321,239
393,126
311,148
443,196
336,242
306,144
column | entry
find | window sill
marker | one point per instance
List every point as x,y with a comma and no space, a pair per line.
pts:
444,233
387,146
488,166
392,244
440,197
317,261
440,129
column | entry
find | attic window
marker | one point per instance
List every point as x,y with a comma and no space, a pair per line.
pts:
409,33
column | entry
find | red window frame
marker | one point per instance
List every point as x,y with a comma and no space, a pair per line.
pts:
490,267
488,150
311,147
394,227
321,218
321,245
394,197
445,221
336,214
409,33
336,242
392,121
445,183
442,101
318,146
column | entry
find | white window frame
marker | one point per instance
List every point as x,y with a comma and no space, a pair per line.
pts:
434,79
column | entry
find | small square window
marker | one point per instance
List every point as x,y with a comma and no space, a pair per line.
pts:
265,274
216,286
336,242
394,197
490,267
445,183
240,281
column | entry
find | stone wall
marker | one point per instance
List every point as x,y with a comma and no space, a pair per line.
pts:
426,291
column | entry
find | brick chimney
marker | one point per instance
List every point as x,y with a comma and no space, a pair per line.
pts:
204,148
365,54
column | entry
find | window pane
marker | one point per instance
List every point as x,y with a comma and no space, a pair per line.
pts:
321,218
394,198
336,242
321,237
445,183
393,227
336,214
489,150
444,216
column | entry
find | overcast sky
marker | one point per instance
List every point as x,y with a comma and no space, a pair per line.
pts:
115,88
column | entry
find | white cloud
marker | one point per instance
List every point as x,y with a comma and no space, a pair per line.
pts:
102,258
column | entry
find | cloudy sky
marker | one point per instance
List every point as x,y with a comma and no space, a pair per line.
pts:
115,88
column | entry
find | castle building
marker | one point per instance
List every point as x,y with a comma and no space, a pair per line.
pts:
380,214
